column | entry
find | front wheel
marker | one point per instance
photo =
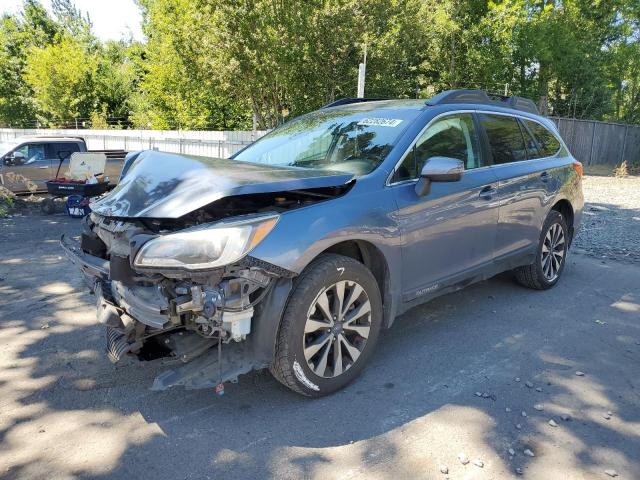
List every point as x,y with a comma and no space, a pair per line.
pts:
329,327
551,255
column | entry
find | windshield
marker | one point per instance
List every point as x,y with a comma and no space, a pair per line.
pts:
354,139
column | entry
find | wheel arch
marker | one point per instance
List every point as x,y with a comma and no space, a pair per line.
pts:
564,207
269,312
371,257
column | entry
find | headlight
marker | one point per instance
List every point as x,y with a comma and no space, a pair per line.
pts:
203,248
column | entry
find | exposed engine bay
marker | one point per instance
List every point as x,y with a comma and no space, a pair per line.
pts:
145,311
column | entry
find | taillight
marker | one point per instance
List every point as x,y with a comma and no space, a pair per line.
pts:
577,166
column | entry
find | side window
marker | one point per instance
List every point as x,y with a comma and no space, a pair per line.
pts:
530,143
505,138
453,136
32,152
66,148
547,141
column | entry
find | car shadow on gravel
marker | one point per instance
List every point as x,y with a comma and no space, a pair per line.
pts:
67,411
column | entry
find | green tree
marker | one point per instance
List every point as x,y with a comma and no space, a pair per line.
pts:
63,79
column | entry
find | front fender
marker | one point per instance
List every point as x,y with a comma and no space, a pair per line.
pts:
303,234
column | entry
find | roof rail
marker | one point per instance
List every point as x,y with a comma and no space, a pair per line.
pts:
347,101
482,97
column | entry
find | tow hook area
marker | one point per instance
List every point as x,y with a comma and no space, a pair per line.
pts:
117,345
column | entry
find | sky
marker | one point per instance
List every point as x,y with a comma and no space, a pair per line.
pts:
112,19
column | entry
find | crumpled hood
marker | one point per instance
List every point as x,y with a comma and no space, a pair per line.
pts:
167,185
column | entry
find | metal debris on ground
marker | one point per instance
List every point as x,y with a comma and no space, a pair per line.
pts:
512,452
611,472
553,423
529,384
528,453
539,407
579,373
444,469
539,389
463,458
523,413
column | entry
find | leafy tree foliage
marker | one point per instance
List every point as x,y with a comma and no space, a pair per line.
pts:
217,64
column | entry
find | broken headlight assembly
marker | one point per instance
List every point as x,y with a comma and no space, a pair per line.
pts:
205,247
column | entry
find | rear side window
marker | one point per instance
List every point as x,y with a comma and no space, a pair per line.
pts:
530,143
548,144
505,138
63,148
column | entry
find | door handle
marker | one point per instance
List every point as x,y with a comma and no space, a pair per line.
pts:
487,192
544,176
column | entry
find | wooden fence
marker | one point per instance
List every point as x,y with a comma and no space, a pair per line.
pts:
600,143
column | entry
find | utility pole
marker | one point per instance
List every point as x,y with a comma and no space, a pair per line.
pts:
362,70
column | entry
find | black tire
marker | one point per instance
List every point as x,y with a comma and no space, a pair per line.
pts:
290,366
532,276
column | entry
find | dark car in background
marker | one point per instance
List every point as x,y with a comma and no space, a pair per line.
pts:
38,159
296,252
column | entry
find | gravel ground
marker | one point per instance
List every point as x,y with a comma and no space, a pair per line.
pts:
611,220
492,382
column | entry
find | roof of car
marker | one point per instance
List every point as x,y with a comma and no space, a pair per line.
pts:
44,138
455,98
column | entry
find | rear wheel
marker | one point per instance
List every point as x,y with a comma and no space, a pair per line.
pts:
551,255
330,326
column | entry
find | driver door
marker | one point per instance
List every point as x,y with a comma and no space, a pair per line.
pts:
26,168
449,234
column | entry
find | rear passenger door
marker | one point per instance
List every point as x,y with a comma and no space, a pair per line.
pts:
524,184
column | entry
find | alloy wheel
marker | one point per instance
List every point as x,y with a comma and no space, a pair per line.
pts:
337,327
553,252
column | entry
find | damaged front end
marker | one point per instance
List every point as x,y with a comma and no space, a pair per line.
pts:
167,254
181,309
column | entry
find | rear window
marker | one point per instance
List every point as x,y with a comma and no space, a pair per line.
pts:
548,144
505,138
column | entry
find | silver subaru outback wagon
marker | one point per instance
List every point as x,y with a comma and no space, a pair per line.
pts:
297,251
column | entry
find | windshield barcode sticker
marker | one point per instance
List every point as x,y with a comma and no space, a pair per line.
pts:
380,122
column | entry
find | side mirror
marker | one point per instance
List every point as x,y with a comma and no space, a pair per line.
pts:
14,158
439,169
